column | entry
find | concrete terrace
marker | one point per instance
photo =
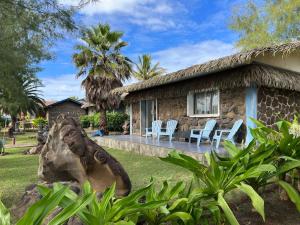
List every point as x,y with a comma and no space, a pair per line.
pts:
151,147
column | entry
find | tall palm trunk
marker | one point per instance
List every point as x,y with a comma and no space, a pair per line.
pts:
103,121
13,122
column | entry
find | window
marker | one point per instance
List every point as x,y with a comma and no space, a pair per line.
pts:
203,103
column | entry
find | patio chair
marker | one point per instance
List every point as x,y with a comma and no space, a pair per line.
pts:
156,126
203,134
168,131
98,133
220,134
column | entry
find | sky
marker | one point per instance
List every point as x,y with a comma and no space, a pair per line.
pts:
177,33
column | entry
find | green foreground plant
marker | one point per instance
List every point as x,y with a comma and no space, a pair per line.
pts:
267,160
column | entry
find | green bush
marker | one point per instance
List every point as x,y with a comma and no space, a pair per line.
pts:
115,120
85,121
94,120
39,121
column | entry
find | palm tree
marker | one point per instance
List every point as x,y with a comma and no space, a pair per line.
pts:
104,67
26,98
144,70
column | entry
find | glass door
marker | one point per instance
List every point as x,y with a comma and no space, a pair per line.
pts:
148,114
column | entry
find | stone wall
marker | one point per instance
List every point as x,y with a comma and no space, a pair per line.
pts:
232,108
275,104
67,108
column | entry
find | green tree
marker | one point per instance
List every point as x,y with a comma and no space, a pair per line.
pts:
266,23
25,99
104,67
28,30
145,70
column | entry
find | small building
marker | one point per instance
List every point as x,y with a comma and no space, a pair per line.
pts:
67,106
262,83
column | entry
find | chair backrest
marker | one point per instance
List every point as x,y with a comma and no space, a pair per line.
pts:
209,127
171,126
156,126
236,126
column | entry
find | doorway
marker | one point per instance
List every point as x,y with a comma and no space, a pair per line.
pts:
148,112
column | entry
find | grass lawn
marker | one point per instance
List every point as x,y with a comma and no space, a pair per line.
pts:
18,170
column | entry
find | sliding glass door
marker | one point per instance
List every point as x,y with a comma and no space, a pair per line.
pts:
148,114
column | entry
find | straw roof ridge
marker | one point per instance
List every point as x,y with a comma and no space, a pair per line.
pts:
213,66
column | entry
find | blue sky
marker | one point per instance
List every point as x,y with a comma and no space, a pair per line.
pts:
176,33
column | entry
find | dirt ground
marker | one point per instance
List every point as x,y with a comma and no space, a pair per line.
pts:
277,212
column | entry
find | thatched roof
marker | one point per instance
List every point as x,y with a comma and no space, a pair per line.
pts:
218,65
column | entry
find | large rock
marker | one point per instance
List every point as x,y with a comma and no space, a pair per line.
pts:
69,155
41,137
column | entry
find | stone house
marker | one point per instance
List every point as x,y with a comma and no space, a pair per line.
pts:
67,106
262,83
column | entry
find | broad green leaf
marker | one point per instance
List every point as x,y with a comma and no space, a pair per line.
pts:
257,201
292,193
227,211
4,215
72,209
185,217
178,202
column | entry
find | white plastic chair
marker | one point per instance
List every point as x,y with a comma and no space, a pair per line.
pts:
169,131
203,134
220,134
156,126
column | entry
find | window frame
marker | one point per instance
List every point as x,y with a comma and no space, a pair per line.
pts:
191,105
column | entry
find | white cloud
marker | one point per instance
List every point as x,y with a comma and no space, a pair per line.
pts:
64,86
186,55
155,15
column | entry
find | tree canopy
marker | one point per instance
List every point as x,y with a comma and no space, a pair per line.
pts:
145,70
28,29
266,23
104,67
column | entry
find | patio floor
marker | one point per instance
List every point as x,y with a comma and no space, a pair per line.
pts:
150,146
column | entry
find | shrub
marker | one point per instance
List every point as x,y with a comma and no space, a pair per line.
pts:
85,121
39,121
115,120
94,120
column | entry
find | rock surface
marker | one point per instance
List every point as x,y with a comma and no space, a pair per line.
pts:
41,138
69,155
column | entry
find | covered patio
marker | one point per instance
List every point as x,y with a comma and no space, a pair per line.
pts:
151,147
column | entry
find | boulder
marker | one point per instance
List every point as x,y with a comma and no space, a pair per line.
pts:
41,139
70,155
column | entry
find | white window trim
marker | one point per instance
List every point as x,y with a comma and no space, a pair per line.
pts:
204,115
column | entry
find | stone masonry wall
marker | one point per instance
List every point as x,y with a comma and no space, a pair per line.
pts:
232,108
275,104
67,108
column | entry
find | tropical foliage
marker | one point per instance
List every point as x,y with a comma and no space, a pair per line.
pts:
272,154
265,23
103,67
39,122
28,29
115,120
26,97
144,69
